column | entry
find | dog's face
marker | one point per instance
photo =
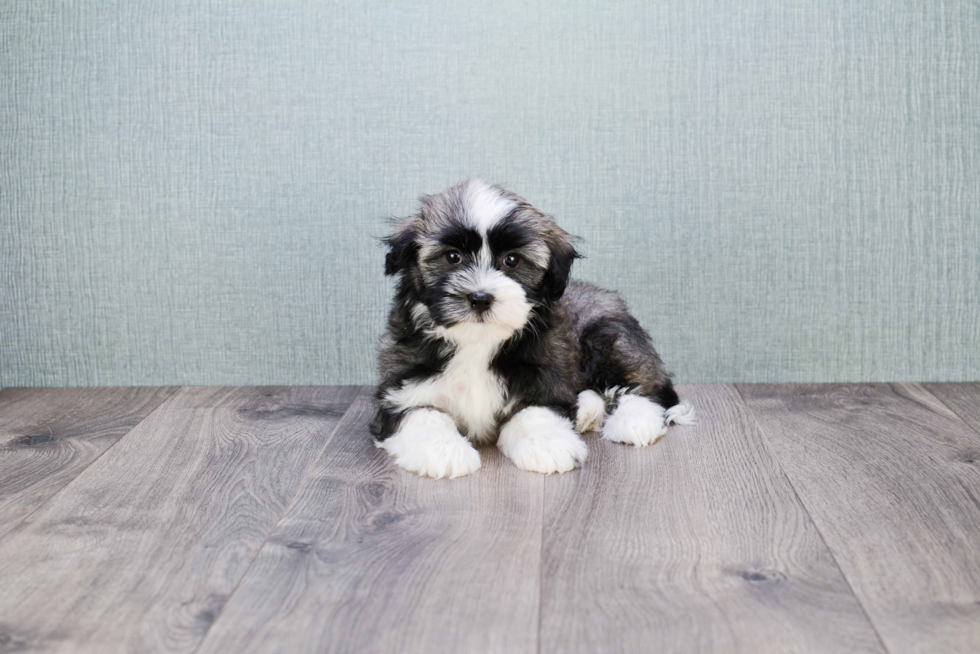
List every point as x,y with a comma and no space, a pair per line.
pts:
478,254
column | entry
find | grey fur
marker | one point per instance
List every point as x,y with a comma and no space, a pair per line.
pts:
577,337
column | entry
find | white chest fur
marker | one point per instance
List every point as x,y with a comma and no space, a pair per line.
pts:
467,389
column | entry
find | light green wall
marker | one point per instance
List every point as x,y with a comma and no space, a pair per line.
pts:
783,191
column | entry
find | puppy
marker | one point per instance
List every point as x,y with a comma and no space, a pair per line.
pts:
488,339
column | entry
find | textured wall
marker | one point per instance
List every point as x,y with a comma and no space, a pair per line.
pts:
784,190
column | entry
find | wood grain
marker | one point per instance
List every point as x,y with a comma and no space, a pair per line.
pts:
890,476
255,519
143,548
371,558
695,544
49,435
963,399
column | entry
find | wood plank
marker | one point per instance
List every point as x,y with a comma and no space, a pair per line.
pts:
962,398
697,543
889,475
143,548
49,435
371,558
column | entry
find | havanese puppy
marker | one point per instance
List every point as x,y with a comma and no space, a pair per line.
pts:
488,339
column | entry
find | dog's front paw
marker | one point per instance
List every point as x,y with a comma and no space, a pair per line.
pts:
636,421
428,443
539,440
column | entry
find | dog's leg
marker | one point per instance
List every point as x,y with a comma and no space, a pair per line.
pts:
619,360
635,421
539,440
640,421
590,412
428,443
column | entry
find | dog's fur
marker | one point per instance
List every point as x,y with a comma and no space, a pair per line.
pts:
547,357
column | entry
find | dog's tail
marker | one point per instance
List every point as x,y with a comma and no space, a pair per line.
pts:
681,414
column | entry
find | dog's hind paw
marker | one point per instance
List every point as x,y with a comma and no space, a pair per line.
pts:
636,421
681,414
590,413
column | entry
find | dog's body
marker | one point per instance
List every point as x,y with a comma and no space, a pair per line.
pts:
489,339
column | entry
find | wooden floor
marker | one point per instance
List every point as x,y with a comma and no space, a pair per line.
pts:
826,518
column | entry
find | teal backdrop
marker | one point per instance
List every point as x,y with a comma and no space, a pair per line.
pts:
784,190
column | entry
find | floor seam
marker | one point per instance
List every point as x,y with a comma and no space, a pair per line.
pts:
272,529
541,568
809,515
949,406
23,519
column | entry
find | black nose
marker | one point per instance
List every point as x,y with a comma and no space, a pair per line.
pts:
480,301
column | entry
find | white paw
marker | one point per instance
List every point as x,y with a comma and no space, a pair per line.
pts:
590,413
681,414
428,443
539,440
636,421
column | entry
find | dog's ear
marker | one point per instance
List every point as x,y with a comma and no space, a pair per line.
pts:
562,255
402,248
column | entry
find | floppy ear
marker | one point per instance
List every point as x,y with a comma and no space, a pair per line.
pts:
562,255
402,249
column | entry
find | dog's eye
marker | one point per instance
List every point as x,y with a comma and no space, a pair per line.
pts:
454,257
511,260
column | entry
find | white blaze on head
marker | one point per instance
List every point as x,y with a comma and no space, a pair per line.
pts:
484,206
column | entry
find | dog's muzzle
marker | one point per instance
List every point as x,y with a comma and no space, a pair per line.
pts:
480,301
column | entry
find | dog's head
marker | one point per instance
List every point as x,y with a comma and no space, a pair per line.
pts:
479,254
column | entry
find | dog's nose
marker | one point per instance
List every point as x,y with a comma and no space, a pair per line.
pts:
480,301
